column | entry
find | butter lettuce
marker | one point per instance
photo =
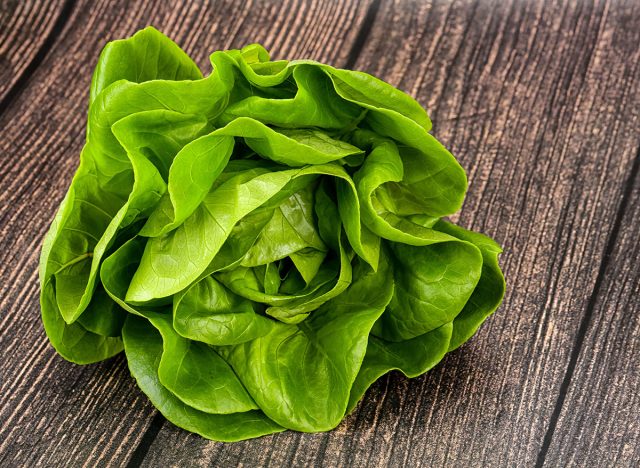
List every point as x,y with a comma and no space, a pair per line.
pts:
263,243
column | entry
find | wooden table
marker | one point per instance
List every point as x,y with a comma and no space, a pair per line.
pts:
540,101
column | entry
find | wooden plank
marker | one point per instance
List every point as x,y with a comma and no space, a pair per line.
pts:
27,29
539,101
599,417
53,412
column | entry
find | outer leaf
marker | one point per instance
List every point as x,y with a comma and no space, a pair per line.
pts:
147,55
196,374
315,104
384,178
489,292
157,133
103,182
432,285
412,357
377,96
143,347
74,342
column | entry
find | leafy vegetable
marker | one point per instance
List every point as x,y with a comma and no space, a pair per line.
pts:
263,243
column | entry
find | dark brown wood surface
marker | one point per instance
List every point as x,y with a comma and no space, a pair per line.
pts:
27,30
540,101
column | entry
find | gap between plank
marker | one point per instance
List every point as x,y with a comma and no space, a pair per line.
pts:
588,316
44,49
149,436
140,452
363,34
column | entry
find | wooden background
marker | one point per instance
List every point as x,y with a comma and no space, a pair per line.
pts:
540,101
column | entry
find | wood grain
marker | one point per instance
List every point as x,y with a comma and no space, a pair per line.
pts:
599,418
27,29
57,413
540,101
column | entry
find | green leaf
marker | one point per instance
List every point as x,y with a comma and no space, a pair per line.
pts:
301,375
377,96
147,55
74,342
314,91
173,261
143,347
432,285
192,173
412,357
196,374
211,313
489,291
390,190
146,136
103,316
